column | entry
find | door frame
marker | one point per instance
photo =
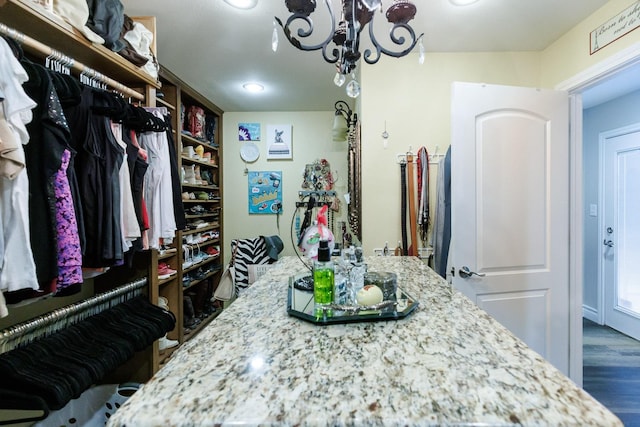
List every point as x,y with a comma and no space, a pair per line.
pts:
575,86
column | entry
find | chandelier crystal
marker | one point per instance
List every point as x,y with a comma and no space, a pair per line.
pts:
342,44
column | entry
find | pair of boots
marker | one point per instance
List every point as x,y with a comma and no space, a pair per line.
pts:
197,304
165,343
190,318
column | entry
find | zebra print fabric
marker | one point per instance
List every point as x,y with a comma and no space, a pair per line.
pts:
249,251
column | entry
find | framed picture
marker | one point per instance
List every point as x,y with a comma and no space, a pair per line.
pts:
265,192
279,144
248,131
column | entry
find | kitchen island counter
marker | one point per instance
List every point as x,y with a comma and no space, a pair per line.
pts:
448,363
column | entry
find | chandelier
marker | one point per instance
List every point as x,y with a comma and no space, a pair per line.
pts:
342,44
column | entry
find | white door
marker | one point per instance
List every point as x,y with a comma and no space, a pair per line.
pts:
621,241
510,210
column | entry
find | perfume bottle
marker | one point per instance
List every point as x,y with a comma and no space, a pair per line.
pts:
323,281
357,273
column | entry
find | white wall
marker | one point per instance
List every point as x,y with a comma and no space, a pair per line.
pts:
311,135
615,114
415,102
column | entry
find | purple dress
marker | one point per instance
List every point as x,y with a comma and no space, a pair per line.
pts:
69,252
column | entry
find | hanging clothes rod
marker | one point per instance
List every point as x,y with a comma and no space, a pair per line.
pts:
82,69
59,319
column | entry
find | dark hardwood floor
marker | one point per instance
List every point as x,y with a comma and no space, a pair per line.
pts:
611,371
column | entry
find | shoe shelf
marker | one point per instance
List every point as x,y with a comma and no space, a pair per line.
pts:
164,103
193,282
200,186
203,215
165,355
162,282
189,160
192,332
189,140
167,253
211,227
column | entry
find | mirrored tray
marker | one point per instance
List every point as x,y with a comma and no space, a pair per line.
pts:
300,304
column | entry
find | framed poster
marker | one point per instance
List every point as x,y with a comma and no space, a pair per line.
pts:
265,192
279,142
248,131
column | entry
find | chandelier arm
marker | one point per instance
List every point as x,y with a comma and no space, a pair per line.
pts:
307,31
399,40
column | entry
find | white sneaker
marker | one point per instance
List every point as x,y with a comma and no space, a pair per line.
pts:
163,303
165,343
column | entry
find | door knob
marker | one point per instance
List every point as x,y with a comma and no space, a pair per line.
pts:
608,243
465,273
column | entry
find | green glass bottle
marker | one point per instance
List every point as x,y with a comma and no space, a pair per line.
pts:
323,281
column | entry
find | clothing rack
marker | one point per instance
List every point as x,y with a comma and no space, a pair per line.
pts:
56,55
59,319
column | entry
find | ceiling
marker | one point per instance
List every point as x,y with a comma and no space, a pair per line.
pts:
217,48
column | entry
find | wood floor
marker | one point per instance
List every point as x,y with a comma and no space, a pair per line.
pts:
611,371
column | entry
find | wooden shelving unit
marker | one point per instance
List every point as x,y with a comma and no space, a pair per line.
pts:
179,95
35,22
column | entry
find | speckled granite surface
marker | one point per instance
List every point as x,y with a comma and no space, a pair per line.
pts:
446,364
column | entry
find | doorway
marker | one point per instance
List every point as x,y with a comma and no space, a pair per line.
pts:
620,229
607,80
611,79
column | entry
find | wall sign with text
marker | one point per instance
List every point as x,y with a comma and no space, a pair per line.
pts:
618,26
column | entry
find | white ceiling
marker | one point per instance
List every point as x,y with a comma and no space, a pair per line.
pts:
216,48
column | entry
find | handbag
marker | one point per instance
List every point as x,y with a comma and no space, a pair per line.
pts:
227,285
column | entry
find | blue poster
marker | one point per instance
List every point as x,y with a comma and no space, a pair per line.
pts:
265,192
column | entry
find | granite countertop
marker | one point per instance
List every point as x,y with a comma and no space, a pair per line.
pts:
448,363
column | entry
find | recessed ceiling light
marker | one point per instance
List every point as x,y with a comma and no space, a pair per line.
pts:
253,87
242,4
462,2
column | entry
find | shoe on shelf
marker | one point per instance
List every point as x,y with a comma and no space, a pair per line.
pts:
190,175
188,151
199,256
213,251
196,210
163,303
200,151
186,280
208,309
164,271
165,343
167,250
188,260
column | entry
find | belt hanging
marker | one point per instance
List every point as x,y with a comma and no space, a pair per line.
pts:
413,249
423,193
403,208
